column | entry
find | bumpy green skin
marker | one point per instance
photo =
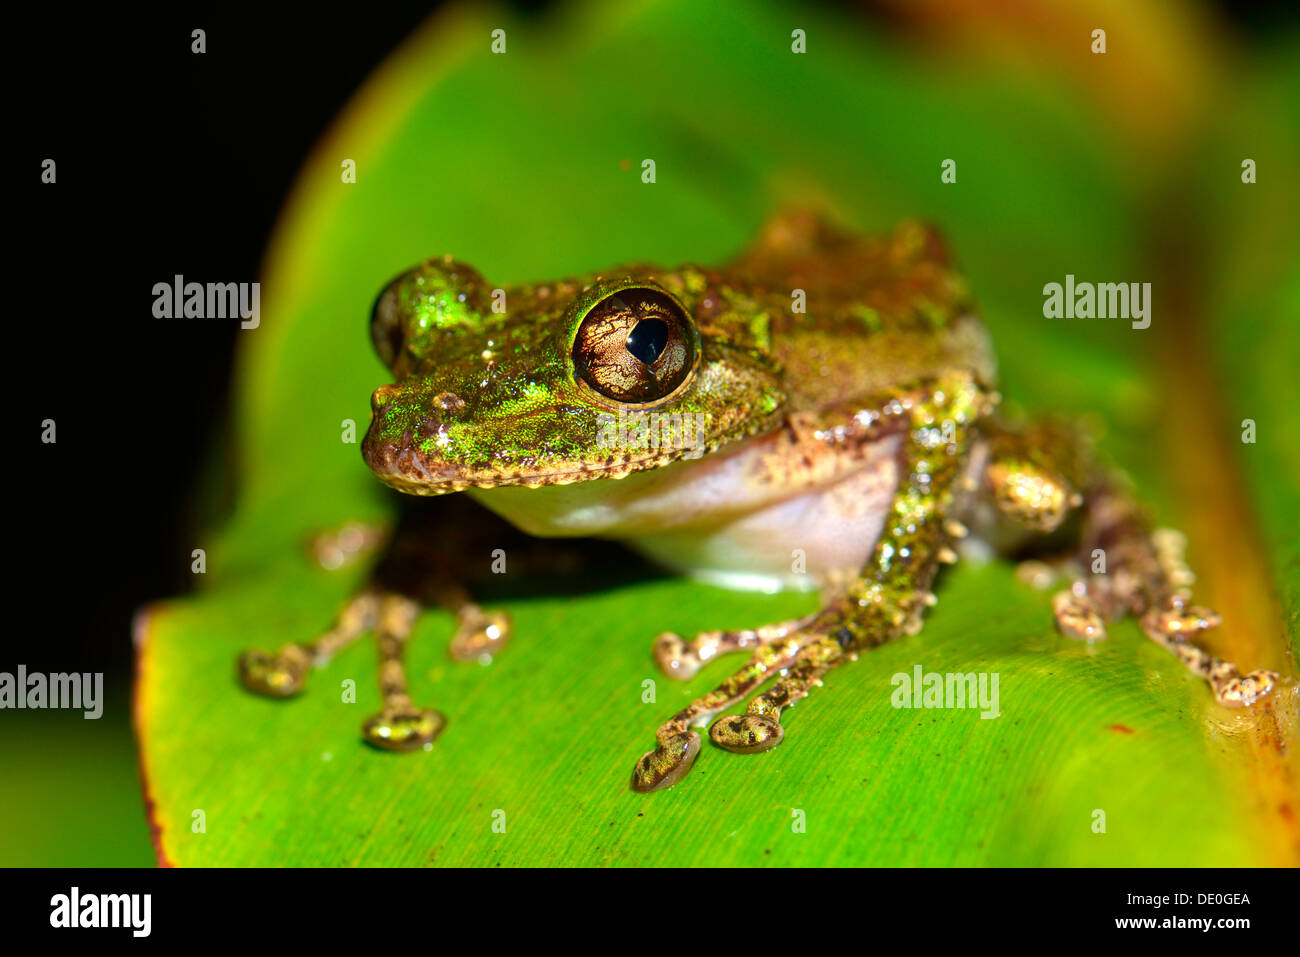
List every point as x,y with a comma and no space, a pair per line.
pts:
487,398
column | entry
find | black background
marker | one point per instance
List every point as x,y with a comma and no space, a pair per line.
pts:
908,911
168,163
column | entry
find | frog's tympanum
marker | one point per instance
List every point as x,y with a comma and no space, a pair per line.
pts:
821,413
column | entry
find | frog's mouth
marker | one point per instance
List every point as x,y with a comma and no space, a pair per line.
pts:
427,439
402,464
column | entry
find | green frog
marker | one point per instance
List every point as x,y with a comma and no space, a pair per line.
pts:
820,414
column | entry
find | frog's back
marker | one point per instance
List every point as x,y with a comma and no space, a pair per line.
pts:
844,315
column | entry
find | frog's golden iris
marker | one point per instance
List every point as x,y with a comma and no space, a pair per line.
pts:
636,345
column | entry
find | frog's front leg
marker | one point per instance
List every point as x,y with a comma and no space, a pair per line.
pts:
284,673
886,600
400,725
419,567
682,659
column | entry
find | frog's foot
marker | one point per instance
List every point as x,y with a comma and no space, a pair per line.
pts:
1235,691
284,674
884,601
759,728
1135,570
668,763
1043,572
1147,577
346,545
278,675
1077,615
801,656
1174,625
679,745
480,635
400,726
683,659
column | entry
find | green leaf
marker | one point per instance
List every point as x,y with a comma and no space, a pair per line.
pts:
528,165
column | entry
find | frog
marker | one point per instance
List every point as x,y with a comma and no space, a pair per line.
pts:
821,413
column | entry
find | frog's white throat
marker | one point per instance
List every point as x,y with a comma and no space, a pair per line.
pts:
766,515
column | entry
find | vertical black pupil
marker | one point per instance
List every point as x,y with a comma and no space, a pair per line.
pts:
648,339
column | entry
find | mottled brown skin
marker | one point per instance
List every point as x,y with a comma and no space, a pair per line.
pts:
870,410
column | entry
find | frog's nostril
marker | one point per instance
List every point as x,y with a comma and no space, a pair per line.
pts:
382,396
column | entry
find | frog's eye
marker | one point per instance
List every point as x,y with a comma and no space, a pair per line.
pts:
636,345
387,330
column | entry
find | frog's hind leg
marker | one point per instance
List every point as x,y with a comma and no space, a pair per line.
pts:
1144,575
1033,474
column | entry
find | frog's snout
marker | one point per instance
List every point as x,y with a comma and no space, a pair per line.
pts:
398,461
400,426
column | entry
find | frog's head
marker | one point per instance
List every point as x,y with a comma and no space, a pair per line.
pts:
554,383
